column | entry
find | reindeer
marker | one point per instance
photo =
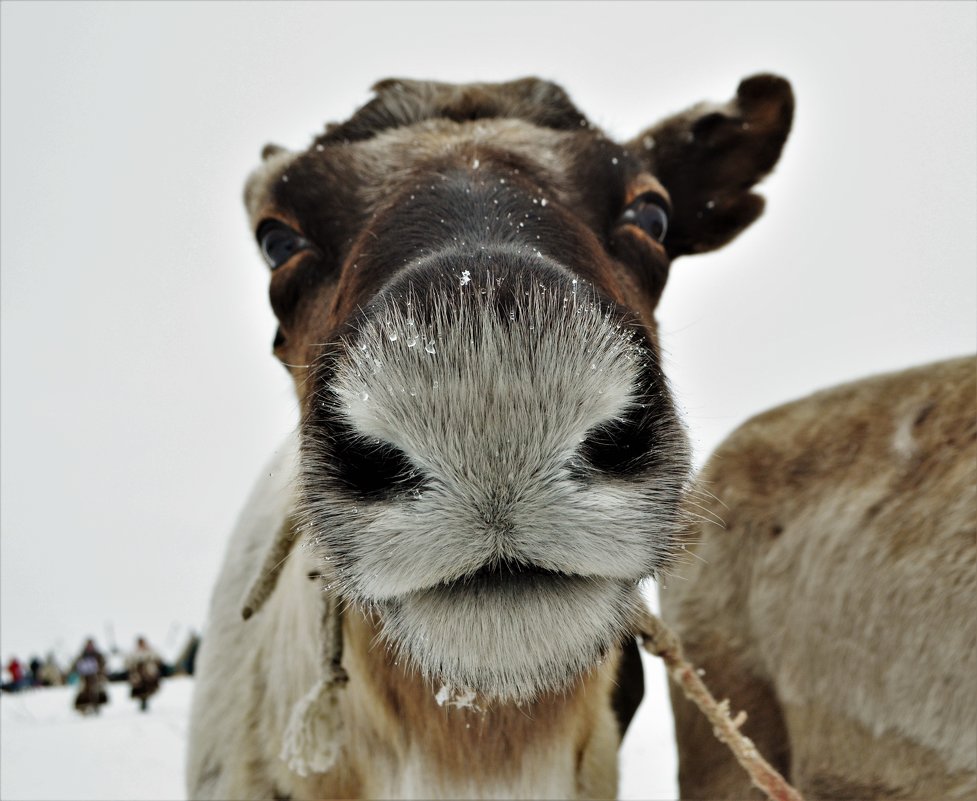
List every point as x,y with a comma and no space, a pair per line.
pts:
441,571
836,605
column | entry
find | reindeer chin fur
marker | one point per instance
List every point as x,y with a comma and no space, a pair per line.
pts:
511,639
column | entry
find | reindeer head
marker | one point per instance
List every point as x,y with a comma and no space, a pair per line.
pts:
465,279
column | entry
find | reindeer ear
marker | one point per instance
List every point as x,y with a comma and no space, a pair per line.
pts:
710,156
270,150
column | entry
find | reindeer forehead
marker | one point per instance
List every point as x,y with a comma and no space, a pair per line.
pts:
395,156
399,153
401,102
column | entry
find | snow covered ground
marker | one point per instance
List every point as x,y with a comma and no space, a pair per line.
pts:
48,751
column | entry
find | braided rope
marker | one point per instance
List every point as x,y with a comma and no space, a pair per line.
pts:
271,568
659,640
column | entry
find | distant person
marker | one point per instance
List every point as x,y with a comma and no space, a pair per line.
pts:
90,668
16,671
35,677
191,656
145,668
51,675
184,663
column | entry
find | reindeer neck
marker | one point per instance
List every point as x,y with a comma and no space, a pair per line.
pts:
410,733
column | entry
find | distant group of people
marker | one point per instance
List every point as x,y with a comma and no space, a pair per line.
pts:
144,669
34,674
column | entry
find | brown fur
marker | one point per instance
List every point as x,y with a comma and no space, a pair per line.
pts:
837,604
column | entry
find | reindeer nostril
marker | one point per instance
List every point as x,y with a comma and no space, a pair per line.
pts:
620,447
375,469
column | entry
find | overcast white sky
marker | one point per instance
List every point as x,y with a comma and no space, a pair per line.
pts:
138,396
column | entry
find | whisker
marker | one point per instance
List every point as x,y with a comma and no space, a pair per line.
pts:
706,515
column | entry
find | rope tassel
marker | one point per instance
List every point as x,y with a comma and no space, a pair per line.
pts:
313,738
315,732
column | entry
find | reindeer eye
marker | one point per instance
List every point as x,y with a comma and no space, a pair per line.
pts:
279,243
648,213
